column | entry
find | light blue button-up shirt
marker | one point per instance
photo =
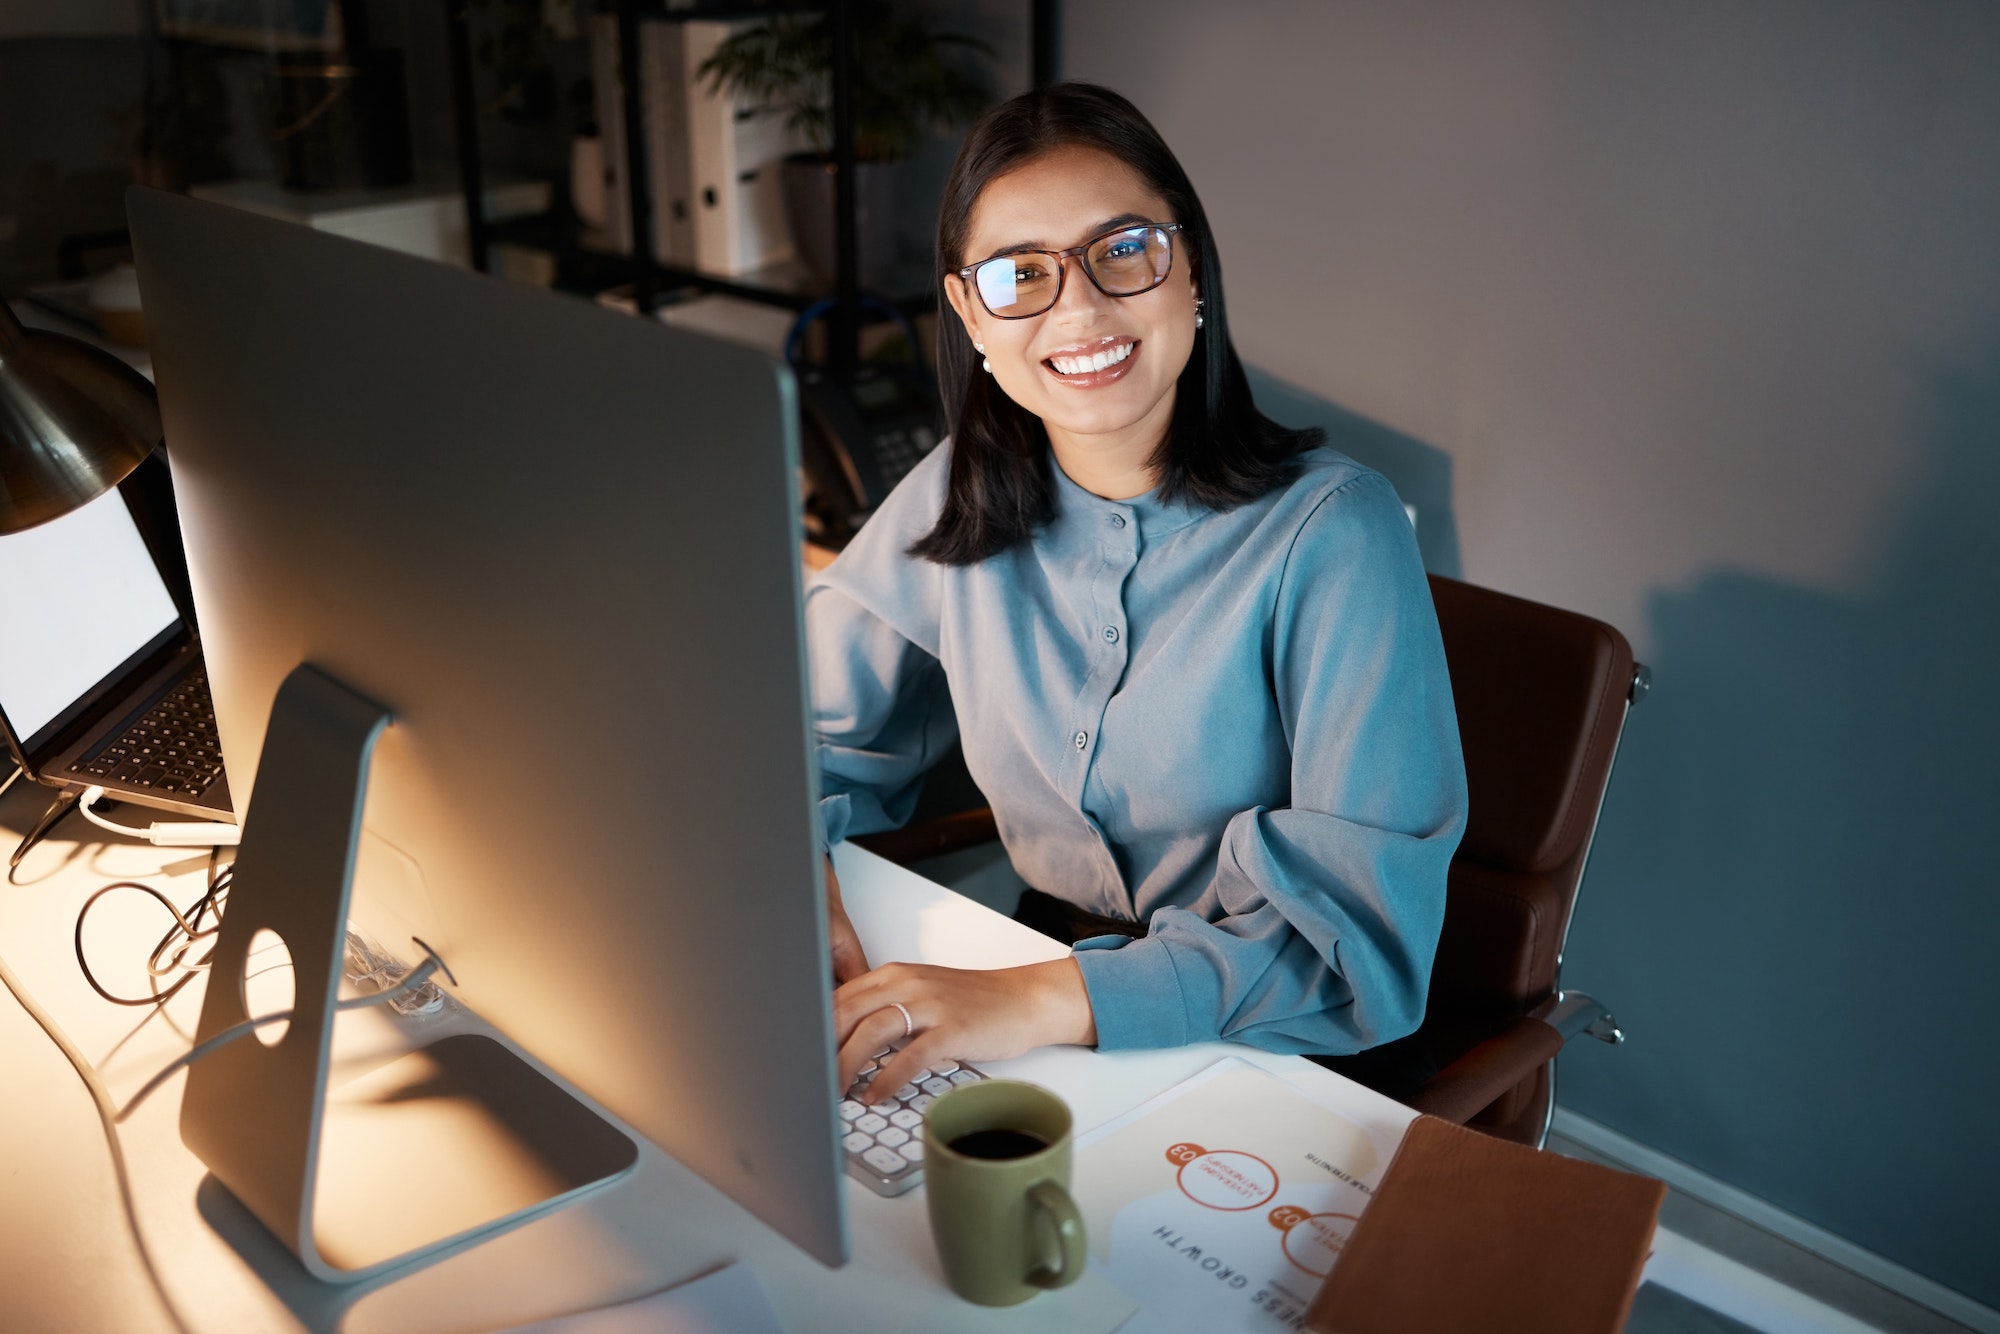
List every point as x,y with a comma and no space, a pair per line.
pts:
1233,726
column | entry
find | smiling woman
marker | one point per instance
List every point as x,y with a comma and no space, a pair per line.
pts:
1098,361
1190,654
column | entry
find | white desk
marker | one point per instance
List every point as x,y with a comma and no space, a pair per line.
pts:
67,1261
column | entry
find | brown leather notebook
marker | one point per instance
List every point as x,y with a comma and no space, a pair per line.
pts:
1468,1232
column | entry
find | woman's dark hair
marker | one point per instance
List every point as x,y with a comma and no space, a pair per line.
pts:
1220,451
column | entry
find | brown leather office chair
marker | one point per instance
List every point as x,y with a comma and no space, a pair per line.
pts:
1542,696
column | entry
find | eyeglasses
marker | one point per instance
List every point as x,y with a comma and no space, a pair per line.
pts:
1124,262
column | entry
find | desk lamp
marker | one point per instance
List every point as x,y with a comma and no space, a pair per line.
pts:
74,422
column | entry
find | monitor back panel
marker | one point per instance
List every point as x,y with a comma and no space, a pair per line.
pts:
561,546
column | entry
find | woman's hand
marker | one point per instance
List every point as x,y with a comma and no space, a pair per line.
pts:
849,962
958,1014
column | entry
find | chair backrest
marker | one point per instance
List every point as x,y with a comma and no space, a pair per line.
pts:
1541,696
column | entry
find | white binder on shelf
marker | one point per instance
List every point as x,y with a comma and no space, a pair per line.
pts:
712,164
735,155
663,116
663,56
607,90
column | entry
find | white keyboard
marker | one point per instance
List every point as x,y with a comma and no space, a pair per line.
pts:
884,1141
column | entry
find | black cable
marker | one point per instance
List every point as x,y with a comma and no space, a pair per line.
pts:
65,802
182,937
186,932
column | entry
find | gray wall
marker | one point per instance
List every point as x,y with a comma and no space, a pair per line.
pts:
1688,316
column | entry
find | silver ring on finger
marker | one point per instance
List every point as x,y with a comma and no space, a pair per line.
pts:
909,1024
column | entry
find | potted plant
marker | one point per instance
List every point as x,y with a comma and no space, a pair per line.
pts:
910,78
524,80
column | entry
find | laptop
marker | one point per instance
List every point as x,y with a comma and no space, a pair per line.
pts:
101,677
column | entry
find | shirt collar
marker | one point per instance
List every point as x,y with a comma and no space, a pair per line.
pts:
1155,517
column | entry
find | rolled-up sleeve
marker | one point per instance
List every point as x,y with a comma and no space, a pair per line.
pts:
1321,918
881,715
881,704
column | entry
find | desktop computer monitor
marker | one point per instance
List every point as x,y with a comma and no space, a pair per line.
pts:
559,546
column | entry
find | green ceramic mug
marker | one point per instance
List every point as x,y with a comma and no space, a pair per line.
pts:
996,1169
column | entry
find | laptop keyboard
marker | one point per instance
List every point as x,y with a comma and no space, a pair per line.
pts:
884,1142
171,748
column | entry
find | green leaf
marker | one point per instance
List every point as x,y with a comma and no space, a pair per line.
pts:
910,78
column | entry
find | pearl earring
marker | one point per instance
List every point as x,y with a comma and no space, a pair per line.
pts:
1197,312
984,364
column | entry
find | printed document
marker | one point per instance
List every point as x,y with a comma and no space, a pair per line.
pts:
1222,1203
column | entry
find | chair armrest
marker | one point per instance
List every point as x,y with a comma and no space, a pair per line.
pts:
1571,1013
933,838
1473,1082
1478,1078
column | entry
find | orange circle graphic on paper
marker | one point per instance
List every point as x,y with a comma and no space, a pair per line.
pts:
1180,1155
1315,1242
1228,1179
1288,1216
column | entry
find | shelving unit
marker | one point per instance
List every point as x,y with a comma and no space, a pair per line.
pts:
585,269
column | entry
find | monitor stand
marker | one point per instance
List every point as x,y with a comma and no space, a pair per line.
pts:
425,1155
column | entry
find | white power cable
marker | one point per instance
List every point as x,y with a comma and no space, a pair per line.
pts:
412,981
110,1115
107,1115
166,833
12,779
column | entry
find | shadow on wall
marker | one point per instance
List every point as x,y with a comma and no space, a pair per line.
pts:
1792,902
1420,473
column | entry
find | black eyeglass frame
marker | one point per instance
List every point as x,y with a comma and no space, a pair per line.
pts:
1083,262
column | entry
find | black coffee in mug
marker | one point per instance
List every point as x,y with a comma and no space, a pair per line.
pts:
998,1144
996,1168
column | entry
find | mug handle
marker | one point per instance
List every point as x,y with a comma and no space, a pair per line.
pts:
1055,1202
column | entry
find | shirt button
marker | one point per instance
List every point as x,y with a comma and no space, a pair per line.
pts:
1110,634
1082,739
1117,521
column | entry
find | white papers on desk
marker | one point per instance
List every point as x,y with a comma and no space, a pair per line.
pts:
1222,1203
728,1301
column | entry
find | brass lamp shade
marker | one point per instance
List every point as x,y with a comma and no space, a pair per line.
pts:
74,421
